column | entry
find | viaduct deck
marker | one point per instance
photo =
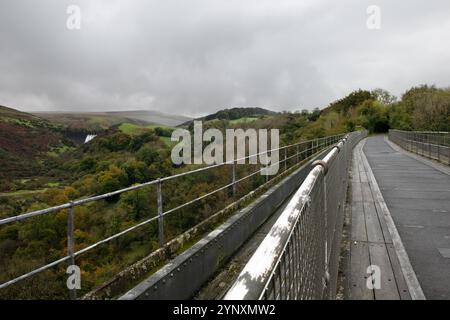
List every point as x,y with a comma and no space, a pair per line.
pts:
400,222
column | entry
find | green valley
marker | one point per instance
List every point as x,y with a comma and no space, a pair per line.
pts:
41,168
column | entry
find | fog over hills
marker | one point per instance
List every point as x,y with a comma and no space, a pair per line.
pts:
152,116
104,120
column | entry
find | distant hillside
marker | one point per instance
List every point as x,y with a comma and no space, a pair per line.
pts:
350,102
153,117
11,113
234,114
98,121
26,142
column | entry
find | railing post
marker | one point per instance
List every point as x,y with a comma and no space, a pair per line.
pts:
447,145
411,142
438,151
285,159
419,144
71,245
297,150
423,145
429,145
408,138
417,140
160,214
233,179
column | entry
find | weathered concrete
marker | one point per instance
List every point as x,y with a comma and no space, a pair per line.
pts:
217,287
418,197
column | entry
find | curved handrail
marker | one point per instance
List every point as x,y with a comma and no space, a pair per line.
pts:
259,272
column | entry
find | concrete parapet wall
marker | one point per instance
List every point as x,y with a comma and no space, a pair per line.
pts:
182,277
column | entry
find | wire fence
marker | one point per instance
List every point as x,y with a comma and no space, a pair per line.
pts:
290,156
433,145
299,257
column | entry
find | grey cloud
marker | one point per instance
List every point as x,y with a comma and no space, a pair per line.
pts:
194,57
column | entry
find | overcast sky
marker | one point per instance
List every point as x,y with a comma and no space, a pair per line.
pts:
194,57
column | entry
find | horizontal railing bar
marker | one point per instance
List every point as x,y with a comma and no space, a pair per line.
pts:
35,271
222,188
429,144
426,132
264,263
90,247
426,143
138,186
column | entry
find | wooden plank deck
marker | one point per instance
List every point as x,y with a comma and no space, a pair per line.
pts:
371,242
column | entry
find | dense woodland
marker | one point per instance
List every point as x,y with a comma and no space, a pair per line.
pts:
40,168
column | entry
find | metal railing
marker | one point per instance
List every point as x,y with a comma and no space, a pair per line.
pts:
299,257
294,153
433,145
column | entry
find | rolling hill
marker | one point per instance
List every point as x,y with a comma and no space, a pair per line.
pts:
236,115
26,142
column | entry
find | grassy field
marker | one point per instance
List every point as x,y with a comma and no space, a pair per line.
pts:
21,193
133,129
130,128
167,141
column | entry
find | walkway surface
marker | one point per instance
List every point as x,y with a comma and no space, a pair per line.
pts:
417,196
371,241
